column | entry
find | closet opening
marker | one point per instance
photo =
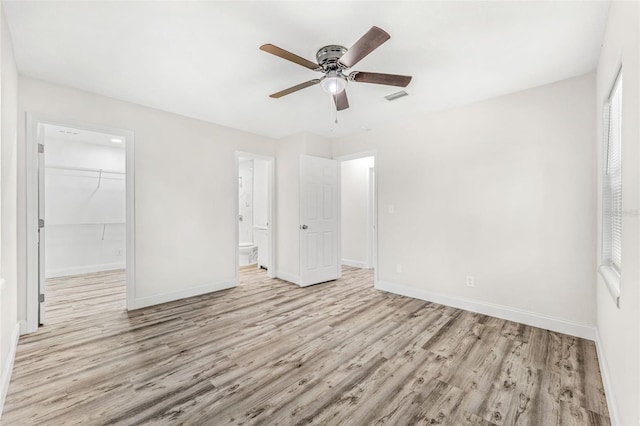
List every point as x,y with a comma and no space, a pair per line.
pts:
80,260
358,235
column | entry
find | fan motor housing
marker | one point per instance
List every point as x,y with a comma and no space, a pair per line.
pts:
328,56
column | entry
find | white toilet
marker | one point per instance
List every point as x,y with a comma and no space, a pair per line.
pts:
248,254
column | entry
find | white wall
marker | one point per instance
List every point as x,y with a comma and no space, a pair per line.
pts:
354,207
288,198
85,224
501,190
260,192
8,182
619,329
245,201
185,178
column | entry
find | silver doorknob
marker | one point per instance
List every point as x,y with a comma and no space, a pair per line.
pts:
303,226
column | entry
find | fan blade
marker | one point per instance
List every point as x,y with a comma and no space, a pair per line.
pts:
377,78
294,88
275,50
367,44
341,100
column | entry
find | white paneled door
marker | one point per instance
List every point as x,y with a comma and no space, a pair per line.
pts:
318,220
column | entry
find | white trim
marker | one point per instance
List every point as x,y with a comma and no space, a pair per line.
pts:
606,382
285,276
87,269
371,214
611,278
355,263
271,228
23,327
339,228
2,285
183,294
534,319
7,368
130,225
356,156
32,222
32,121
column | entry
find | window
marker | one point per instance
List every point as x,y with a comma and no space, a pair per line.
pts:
611,266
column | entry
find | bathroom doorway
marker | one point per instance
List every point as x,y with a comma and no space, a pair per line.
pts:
255,244
358,211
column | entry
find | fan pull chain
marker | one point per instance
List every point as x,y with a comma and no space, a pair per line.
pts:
334,108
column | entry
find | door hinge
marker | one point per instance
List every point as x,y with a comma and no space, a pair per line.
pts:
40,148
40,223
41,298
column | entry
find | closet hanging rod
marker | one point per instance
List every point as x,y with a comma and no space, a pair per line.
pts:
85,169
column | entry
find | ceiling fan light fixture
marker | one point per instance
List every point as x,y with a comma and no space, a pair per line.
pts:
333,82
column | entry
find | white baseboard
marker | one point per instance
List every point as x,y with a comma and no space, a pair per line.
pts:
289,277
499,311
77,270
606,382
183,294
355,263
7,368
22,325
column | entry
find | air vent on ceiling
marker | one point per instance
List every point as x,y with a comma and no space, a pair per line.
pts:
397,95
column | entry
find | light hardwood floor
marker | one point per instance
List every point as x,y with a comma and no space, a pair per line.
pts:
269,352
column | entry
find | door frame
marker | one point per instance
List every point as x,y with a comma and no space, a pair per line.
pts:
271,228
372,213
32,187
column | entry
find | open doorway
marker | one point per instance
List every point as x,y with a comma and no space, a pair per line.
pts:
85,244
255,212
357,211
80,205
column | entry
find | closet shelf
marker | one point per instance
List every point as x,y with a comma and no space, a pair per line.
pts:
86,224
85,169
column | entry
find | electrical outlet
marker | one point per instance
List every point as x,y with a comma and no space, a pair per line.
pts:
399,268
118,252
471,281
392,209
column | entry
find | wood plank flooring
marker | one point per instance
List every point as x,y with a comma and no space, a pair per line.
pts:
269,352
80,296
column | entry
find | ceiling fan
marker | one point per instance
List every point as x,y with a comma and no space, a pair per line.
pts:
333,60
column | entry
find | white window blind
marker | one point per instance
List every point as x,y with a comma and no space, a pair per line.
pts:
612,189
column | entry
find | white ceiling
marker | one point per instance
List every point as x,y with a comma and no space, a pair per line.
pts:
201,59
